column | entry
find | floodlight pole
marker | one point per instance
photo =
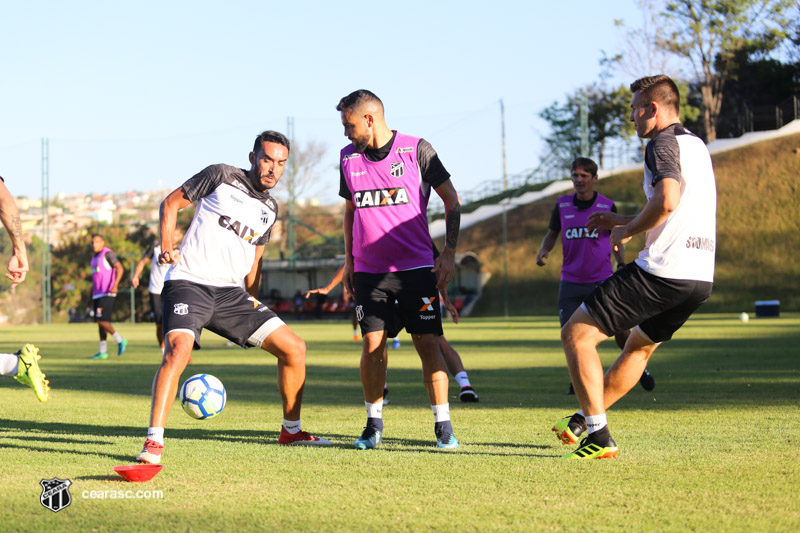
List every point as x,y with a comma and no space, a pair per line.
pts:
46,231
505,216
291,170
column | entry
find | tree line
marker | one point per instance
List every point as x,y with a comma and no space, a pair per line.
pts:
725,55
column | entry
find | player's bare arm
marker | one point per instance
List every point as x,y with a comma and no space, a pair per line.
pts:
606,220
548,243
118,271
173,203
253,279
9,215
666,196
347,272
444,265
137,271
335,280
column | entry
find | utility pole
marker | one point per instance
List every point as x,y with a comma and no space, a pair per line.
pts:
46,231
584,124
291,170
505,216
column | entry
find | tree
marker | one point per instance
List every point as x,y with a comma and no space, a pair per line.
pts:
608,119
708,34
641,51
299,180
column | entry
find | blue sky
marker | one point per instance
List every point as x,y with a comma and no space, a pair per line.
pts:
133,96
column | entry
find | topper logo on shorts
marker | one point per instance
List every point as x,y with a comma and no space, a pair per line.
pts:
241,230
580,233
427,304
397,169
181,309
381,197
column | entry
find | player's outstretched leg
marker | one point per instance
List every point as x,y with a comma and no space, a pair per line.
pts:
290,350
165,388
28,372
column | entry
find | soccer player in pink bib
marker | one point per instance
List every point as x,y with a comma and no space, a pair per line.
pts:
386,180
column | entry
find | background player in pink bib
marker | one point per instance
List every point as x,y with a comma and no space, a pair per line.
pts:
587,254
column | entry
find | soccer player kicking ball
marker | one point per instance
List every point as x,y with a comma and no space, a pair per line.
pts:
386,180
656,293
205,287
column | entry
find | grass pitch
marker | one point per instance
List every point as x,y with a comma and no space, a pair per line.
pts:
713,447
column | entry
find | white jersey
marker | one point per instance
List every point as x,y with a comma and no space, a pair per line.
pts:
231,218
683,246
157,270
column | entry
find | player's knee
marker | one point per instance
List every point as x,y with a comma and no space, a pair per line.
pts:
295,351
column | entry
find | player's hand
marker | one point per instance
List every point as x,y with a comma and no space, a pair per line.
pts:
444,267
135,283
619,236
541,256
17,269
347,277
321,290
169,257
453,311
604,220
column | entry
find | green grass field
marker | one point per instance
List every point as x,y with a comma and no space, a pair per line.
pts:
713,448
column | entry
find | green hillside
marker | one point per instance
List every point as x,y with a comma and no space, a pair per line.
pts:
758,236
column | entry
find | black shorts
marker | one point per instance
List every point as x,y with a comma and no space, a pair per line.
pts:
571,296
103,307
633,297
227,311
155,305
415,293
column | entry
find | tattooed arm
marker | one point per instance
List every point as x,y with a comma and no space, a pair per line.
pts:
9,215
444,266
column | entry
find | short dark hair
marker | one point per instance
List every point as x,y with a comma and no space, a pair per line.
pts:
270,136
98,235
586,164
356,98
659,88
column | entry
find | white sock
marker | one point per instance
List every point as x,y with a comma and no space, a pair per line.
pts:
103,346
374,410
441,413
463,380
292,426
355,332
596,422
9,363
117,337
156,434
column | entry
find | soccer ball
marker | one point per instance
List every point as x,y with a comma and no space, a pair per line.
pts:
203,396
744,317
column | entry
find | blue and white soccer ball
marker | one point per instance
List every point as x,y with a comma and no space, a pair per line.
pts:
203,396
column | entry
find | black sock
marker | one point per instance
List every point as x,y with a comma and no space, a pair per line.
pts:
442,428
376,423
602,436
